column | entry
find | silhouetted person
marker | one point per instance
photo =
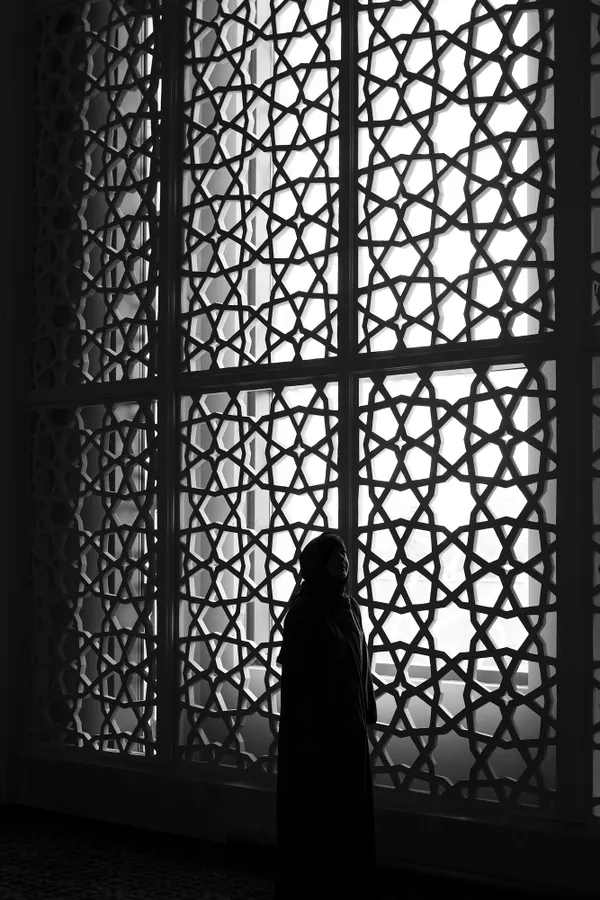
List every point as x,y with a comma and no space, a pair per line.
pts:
325,824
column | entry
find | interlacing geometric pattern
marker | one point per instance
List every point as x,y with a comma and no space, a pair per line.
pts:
456,178
261,159
457,531
259,480
96,194
444,474
596,575
595,158
93,564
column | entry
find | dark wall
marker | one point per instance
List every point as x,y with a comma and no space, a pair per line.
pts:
16,118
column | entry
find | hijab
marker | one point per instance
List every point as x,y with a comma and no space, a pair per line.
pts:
328,592
317,582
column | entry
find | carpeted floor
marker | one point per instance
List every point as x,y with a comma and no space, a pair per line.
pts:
47,856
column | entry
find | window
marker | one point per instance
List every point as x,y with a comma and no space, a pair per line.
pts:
295,271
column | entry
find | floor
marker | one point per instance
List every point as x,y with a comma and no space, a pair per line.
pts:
47,856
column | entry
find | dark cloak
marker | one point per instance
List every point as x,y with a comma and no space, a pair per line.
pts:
325,824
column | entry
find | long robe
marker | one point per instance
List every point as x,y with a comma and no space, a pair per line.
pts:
325,822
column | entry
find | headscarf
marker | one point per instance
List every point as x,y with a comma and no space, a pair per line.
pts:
317,583
313,561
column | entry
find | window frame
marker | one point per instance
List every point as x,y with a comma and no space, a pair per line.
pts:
572,345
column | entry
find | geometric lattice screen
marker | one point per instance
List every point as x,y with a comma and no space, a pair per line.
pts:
260,182
259,477
456,530
455,172
93,575
271,241
97,196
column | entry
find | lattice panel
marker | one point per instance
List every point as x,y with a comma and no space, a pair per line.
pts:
259,480
456,179
260,185
96,193
596,558
595,158
93,577
457,513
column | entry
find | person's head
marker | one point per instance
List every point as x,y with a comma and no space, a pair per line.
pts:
337,564
324,560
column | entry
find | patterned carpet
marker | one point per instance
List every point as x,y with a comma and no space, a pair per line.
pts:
47,856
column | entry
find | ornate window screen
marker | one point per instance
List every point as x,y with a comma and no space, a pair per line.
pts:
260,182
93,576
96,196
94,465
259,478
455,172
296,271
456,530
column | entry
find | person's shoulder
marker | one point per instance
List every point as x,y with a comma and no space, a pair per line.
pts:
299,607
301,613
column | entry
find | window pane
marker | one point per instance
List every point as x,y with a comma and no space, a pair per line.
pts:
457,530
259,480
96,195
93,577
456,171
260,188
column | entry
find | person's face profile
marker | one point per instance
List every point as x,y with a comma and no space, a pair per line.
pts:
338,565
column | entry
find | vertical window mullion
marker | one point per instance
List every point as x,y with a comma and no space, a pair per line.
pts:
574,590
348,271
168,415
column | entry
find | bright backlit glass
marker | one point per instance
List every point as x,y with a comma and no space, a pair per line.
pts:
456,172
